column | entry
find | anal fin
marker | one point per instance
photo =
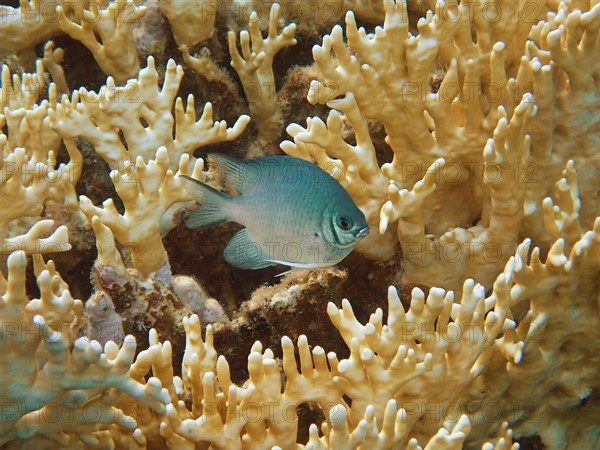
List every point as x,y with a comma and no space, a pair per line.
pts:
242,252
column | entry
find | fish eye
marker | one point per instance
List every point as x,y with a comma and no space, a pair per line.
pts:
345,223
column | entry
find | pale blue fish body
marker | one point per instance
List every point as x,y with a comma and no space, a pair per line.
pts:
294,212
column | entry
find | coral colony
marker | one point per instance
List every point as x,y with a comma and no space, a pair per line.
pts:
468,134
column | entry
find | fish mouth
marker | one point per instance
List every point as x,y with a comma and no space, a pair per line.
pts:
362,233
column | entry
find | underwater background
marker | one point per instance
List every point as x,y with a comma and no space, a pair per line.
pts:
467,133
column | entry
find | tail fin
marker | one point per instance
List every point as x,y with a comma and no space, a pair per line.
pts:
212,208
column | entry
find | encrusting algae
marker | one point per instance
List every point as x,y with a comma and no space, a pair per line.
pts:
464,136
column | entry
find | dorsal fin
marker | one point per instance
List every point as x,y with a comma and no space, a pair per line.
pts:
230,172
245,175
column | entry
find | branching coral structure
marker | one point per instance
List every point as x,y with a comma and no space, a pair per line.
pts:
395,368
467,133
387,76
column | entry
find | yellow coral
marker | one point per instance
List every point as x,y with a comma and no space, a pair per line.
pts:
491,140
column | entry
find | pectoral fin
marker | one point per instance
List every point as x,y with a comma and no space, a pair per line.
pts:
242,252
